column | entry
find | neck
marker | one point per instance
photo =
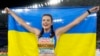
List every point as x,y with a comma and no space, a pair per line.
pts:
47,30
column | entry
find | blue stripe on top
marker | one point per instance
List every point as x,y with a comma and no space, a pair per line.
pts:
47,35
61,18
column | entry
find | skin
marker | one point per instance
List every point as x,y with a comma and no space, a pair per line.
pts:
46,24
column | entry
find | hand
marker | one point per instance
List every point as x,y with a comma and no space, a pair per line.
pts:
94,9
7,10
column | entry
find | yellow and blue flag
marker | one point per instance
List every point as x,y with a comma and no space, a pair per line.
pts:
78,41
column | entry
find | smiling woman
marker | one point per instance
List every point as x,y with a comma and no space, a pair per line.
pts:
47,38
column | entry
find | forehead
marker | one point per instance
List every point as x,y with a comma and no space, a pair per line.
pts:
46,17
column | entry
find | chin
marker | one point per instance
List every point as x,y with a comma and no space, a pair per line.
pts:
46,28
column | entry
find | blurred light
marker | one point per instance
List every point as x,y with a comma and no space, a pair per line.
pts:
54,2
35,6
58,20
18,10
32,7
50,2
28,23
46,4
26,9
3,11
91,15
94,14
61,0
41,5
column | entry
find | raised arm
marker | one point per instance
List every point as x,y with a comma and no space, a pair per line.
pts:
20,21
61,30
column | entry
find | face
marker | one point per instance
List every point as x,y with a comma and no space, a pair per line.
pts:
46,22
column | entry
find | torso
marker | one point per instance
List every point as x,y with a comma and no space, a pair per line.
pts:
46,45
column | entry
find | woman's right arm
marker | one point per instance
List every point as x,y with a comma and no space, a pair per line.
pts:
20,21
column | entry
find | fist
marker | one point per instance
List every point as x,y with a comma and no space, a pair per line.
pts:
7,10
94,9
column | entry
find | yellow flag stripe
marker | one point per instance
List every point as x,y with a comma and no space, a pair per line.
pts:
25,44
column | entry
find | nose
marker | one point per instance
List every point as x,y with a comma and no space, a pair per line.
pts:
45,21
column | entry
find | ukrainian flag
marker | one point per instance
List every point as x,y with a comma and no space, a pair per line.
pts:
78,41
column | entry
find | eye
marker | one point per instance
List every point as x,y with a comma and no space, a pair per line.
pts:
43,20
48,20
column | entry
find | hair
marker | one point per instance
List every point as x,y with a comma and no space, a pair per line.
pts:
52,31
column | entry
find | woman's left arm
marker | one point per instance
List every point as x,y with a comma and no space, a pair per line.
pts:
61,30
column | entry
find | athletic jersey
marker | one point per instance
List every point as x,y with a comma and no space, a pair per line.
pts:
46,44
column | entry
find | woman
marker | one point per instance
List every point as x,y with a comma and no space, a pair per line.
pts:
46,37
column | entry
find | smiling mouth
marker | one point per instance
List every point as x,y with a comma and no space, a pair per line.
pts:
45,25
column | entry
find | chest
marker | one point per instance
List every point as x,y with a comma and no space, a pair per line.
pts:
46,42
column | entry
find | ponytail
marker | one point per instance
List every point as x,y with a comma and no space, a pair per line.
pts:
41,33
52,32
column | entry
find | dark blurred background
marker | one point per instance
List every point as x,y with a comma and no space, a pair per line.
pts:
20,3
39,3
